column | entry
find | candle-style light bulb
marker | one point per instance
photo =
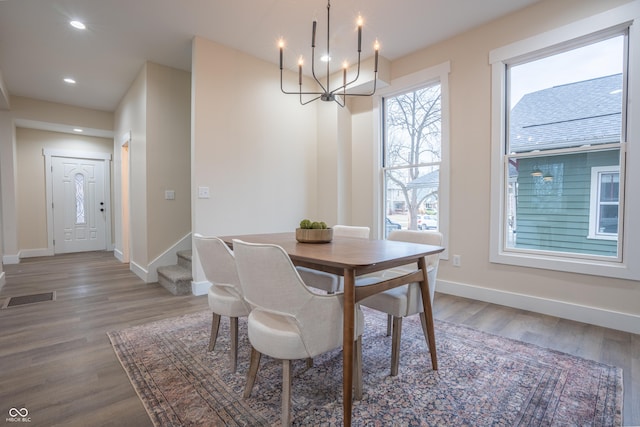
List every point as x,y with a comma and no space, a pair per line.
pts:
300,62
345,65
281,46
376,47
360,23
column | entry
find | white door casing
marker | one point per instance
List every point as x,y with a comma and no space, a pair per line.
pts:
78,200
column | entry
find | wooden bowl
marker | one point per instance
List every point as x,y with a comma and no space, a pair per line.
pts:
314,235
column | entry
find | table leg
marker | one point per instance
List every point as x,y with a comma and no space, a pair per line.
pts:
347,345
428,312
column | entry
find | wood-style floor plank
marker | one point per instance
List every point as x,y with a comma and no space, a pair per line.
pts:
56,359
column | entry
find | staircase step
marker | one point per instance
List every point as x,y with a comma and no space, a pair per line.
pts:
176,279
184,258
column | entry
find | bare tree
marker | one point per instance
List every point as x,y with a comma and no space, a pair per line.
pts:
413,122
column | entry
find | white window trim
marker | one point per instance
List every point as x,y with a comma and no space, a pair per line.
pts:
594,202
438,73
610,21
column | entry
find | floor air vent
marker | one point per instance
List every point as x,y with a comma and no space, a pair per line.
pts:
29,299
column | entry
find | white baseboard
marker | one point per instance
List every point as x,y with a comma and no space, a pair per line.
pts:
118,254
200,288
11,259
33,253
139,271
580,313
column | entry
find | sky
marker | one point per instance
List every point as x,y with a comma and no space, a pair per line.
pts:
596,60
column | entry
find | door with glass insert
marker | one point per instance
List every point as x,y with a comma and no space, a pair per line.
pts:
79,208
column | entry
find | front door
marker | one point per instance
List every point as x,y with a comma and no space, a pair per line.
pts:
79,206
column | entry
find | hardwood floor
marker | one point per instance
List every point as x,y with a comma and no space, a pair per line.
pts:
56,359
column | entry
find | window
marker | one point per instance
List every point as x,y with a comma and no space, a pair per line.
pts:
560,160
605,202
79,187
415,153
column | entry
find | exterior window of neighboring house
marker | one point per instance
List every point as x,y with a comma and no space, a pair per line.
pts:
605,202
560,149
414,155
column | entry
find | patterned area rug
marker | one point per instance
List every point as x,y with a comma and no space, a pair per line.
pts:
482,380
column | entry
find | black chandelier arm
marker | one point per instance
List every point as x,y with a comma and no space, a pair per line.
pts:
345,85
313,69
297,91
310,100
373,91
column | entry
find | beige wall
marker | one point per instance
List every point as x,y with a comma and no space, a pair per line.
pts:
30,113
252,146
131,117
470,99
168,156
31,191
51,112
155,112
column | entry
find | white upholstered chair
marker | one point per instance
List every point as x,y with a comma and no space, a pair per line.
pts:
288,321
328,282
225,294
405,300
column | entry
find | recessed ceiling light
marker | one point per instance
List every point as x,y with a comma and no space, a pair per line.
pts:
77,24
69,80
77,130
325,58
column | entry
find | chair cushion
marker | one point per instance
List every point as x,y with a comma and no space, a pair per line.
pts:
224,301
273,334
319,279
393,301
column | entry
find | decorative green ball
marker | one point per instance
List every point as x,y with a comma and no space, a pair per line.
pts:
323,225
305,223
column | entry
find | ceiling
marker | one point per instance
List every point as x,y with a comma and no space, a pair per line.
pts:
38,47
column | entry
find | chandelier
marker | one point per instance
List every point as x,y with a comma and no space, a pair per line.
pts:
338,94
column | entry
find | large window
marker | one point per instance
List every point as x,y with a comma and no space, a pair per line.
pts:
414,167
560,149
564,119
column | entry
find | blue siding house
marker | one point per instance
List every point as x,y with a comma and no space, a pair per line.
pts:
566,201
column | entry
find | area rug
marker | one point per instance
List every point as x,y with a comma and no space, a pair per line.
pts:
482,380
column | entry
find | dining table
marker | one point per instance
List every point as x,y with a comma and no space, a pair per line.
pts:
352,257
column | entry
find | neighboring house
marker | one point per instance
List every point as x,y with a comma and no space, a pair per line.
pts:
567,201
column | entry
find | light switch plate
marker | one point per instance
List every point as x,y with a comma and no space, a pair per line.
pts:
203,192
169,195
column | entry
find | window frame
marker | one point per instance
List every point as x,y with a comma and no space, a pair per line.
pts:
594,203
573,35
436,74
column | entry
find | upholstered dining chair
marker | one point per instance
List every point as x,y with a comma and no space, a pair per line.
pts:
405,300
328,282
225,294
289,321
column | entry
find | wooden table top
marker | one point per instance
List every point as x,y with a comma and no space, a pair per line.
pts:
362,255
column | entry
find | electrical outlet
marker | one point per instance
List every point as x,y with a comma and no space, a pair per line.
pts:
457,261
